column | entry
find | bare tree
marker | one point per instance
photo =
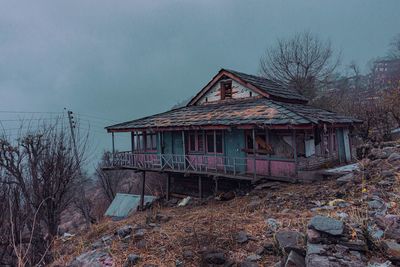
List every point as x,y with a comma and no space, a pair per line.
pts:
394,49
40,172
303,62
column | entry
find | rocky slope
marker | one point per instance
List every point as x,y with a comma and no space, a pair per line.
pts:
352,220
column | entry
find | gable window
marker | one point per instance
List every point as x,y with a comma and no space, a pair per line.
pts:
226,90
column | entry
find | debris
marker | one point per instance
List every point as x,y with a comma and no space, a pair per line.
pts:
226,196
124,231
132,260
184,202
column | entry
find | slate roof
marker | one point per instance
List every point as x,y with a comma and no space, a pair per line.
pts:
236,112
269,86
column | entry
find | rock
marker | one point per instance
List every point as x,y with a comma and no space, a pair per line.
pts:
141,244
132,260
345,179
139,234
295,260
213,257
315,249
124,231
241,237
226,196
290,240
377,153
392,250
272,224
394,157
391,224
188,254
93,258
315,260
253,258
357,245
327,225
313,236
375,232
387,173
248,264
254,205
162,218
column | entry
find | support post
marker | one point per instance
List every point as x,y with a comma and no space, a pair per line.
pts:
253,133
200,188
269,154
215,148
216,185
184,148
168,185
294,149
142,191
113,143
160,148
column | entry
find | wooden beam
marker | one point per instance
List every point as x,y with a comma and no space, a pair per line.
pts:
113,143
216,185
142,191
184,147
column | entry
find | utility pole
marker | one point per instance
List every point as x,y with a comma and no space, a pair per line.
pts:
72,125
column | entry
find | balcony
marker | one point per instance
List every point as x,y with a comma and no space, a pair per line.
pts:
249,168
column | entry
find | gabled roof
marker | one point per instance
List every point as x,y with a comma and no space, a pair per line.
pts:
255,111
263,86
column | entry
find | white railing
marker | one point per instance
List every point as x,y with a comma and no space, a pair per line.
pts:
250,167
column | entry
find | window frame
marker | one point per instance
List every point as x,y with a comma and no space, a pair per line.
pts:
224,94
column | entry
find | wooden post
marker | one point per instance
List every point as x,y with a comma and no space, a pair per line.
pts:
215,148
184,147
200,188
113,143
160,148
216,185
294,149
142,192
168,185
254,152
269,154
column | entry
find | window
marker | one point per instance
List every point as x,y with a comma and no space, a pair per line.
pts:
262,146
210,142
196,142
144,141
226,90
215,145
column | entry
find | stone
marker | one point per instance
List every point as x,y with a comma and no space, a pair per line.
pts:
93,258
248,264
394,157
188,254
139,234
327,225
253,257
213,257
315,260
272,224
345,179
315,249
392,249
226,196
295,260
241,237
290,240
162,218
124,231
141,244
357,245
254,205
269,248
313,236
132,260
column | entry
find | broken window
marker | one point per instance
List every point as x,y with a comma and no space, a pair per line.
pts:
215,145
226,90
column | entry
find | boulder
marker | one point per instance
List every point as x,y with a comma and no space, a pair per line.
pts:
327,225
295,260
290,240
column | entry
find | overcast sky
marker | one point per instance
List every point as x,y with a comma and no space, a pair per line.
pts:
121,60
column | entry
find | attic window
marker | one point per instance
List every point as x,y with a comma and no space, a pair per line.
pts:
226,90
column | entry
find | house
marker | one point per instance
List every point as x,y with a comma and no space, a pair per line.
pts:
238,126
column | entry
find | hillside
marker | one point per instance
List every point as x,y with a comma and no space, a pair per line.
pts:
361,225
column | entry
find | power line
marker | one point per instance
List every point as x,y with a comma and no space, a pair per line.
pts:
31,119
95,117
31,112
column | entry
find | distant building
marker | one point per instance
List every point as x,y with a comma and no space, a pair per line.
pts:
386,74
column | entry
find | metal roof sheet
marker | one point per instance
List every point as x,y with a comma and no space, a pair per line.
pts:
124,204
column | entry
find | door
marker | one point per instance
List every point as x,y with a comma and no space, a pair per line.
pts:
346,142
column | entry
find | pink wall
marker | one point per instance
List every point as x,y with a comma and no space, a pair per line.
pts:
278,168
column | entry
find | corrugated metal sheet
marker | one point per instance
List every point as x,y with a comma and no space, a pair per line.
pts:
124,204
